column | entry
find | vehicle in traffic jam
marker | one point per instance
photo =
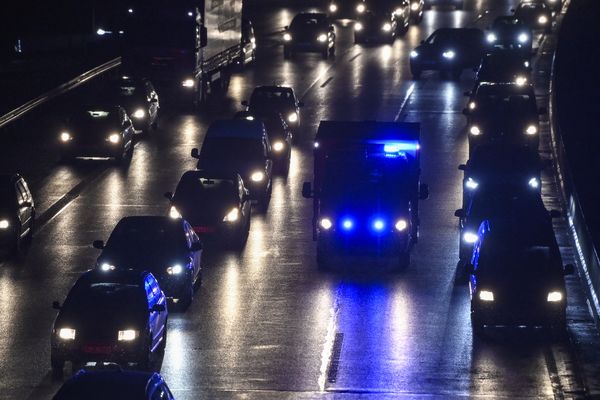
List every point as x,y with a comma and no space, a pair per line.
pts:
365,191
534,14
97,131
510,33
115,316
504,66
555,5
309,32
280,136
215,203
140,100
380,23
114,383
345,9
416,11
242,146
456,4
248,42
503,112
517,277
496,164
167,247
448,50
17,213
516,200
281,99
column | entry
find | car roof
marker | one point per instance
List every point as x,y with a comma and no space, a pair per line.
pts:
539,230
505,87
221,174
121,276
503,150
149,220
127,384
273,88
236,128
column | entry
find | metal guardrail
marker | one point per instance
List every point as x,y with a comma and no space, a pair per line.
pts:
65,87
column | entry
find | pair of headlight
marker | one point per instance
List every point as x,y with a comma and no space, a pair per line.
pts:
476,131
112,138
126,335
386,27
552,297
176,269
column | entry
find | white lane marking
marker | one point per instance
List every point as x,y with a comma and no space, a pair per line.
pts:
409,92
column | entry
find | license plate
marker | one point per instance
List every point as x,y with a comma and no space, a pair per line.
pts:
204,229
91,349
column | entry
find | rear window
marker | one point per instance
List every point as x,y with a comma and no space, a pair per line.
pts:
304,21
206,189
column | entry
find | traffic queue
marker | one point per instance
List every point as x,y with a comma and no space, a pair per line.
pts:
365,191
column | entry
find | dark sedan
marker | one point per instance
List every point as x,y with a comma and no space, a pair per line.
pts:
140,100
536,15
309,32
380,24
110,316
281,99
17,213
167,247
510,33
504,66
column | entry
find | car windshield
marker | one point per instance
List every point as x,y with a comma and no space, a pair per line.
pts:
91,120
232,150
270,97
209,194
308,22
507,255
106,295
507,22
499,203
140,235
518,103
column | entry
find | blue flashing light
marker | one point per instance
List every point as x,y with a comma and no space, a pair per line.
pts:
396,147
347,224
378,224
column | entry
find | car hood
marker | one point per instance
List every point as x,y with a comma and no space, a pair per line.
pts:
155,260
102,324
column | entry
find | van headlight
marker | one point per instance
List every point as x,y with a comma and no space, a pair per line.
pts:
486,295
139,113
534,183
4,224
287,37
107,267
449,54
175,269
188,83
554,297
360,8
114,138
174,213
232,216
332,8
67,333
128,335
358,27
474,130
257,176
523,38
414,54
520,80
491,37
65,137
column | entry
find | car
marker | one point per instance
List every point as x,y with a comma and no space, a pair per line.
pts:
280,136
380,22
97,131
216,203
242,146
555,5
115,316
510,33
117,384
17,213
500,164
504,66
509,200
448,50
248,42
416,11
503,112
309,32
517,277
281,99
139,99
345,9
167,247
456,4
536,15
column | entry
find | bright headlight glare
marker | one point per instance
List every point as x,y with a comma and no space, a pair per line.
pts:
414,6
531,130
470,237
398,11
523,38
358,26
543,19
386,27
534,183
4,224
287,37
114,138
414,54
520,80
449,54
472,105
554,297
128,335
316,145
65,137
332,8
174,213
232,216
175,269
360,8
293,117
188,83
322,38
278,146
139,113
471,184
67,333
401,225
486,295
326,223
475,131
491,37
107,267
257,176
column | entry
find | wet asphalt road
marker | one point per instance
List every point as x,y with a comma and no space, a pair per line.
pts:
266,324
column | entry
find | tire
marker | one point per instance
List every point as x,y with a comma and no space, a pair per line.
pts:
57,365
188,297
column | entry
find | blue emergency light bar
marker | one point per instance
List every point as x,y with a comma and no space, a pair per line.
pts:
396,147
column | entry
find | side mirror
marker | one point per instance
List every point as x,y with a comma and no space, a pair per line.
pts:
196,246
195,153
307,192
168,195
569,269
98,244
462,167
300,104
460,213
543,111
158,308
555,214
245,103
56,305
203,36
423,191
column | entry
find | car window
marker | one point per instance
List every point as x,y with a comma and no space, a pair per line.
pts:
20,192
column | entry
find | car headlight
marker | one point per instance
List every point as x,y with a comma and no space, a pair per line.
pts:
4,224
325,223
414,54
107,267
287,37
128,335
486,295
114,138
360,8
401,225
65,137
322,38
531,130
449,54
175,269
554,297
188,83
293,117
414,6
278,146
470,237
534,183
139,113
543,19
475,131
472,105
398,11
67,333
520,80
257,176
358,27
471,184
232,216
523,38
386,27
174,213
491,38
332,8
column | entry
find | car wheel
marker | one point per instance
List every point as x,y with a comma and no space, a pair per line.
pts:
57,365
188,296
